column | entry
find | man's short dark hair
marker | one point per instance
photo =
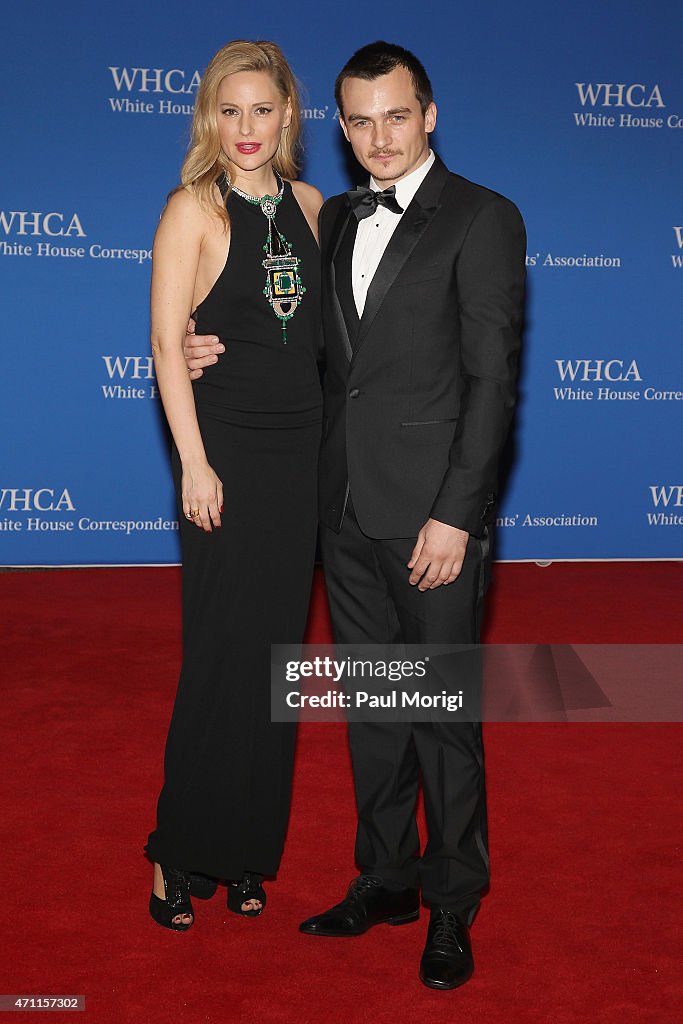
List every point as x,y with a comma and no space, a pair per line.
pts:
380,58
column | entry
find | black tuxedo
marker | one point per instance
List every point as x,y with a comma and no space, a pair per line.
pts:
419,394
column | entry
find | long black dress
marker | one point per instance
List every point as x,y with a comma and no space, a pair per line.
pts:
224,805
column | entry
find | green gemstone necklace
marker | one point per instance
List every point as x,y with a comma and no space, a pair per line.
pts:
283,289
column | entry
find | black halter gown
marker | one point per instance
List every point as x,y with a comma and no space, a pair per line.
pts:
224,805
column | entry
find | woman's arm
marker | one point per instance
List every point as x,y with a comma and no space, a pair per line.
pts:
175,260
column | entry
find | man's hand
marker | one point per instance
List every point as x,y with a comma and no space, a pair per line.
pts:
437,556
200,350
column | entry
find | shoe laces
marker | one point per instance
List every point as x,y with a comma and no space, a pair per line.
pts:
446,930
251,883
363,884
177,884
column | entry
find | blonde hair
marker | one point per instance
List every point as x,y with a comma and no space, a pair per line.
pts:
205,160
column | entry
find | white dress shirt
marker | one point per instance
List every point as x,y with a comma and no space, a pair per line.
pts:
374,232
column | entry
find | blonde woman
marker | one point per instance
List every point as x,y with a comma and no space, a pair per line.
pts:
236,248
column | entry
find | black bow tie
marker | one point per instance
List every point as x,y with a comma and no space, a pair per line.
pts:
364,201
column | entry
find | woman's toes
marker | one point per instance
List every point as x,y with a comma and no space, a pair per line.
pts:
182,919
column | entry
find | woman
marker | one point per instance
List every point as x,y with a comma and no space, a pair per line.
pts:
236,248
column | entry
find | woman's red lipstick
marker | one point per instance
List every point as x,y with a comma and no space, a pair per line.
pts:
248,147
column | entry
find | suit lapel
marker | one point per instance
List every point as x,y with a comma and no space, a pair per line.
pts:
412,226
336,236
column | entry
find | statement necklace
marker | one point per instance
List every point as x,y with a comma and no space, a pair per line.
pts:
283,290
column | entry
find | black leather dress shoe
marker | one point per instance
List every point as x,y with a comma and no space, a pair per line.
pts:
367,903
447,959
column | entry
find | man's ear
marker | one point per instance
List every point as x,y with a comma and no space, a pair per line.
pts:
430,118
342,122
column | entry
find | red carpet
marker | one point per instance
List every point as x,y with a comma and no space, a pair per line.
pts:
582,922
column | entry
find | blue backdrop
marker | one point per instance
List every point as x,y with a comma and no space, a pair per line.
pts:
575,111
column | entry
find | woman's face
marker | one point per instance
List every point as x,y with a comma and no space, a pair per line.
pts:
250,115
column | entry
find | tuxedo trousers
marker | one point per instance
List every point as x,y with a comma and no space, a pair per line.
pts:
371,601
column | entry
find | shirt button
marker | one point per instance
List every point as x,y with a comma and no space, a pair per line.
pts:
354,393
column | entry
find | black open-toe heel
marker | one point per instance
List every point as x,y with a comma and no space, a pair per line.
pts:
250,888
202,887
177,890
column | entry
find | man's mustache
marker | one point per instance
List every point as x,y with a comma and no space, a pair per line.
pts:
386,152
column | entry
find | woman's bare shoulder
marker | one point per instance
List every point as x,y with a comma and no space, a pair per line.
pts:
308,195
183,213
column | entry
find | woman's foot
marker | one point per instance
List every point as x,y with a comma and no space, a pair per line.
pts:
169,903
247,897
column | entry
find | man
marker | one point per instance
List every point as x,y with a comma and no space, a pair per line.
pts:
422,306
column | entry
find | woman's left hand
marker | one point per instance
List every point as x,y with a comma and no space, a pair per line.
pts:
202,495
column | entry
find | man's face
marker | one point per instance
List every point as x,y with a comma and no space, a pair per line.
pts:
383,122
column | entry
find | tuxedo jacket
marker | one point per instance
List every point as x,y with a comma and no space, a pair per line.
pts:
419,392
